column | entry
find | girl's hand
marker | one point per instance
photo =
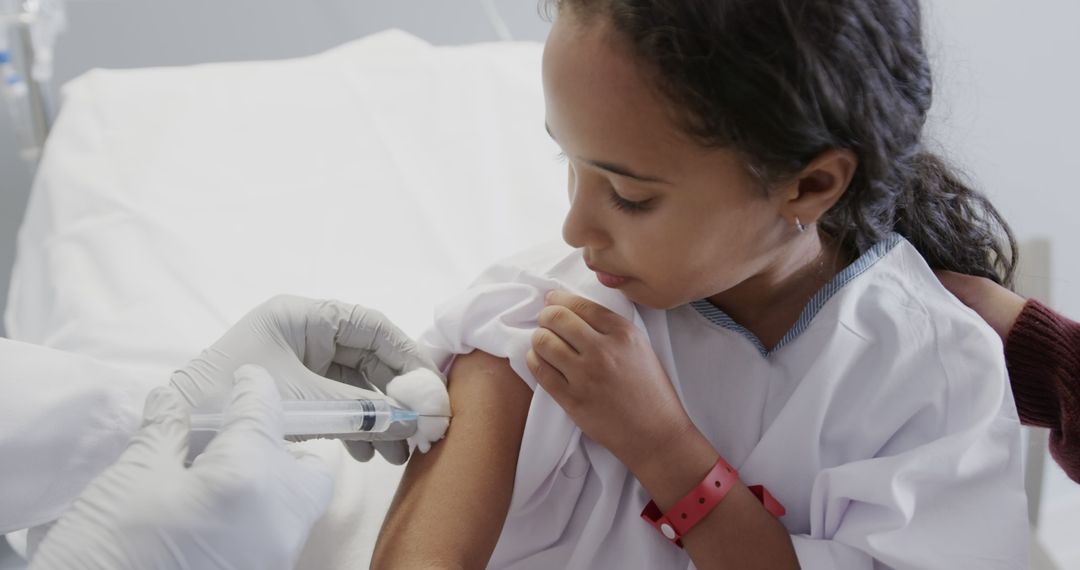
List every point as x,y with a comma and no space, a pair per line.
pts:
601,369
998,306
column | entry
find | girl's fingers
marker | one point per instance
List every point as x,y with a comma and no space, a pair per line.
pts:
547,375
569,326
597,316
553,349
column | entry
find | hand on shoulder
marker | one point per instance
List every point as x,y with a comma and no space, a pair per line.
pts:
998,306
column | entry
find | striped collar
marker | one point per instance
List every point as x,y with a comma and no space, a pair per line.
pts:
864,262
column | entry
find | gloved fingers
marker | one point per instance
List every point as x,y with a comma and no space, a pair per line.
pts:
366,332
377,372
361,451
164,432
322,324
306,484
400,358
164,404
314,473
370,370
350,376
253,414
198,381
272,335
360,378
296,382
299,452
344,384
158,448
394,452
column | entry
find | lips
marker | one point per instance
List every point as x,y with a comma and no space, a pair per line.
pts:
608,279
598,270
613,281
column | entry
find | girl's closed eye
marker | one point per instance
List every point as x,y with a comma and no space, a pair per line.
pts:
630,206
618,201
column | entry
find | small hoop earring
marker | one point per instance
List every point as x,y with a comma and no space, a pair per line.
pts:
799,226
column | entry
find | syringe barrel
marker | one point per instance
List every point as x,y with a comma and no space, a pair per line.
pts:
370,419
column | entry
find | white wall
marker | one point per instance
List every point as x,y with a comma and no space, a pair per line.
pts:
1007,111
141,33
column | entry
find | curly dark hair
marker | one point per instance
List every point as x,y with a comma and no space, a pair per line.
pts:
782,81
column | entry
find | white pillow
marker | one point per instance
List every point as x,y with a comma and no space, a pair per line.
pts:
385,172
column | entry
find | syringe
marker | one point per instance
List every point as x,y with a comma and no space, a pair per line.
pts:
368,419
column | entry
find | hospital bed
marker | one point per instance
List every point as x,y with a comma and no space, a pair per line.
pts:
385,172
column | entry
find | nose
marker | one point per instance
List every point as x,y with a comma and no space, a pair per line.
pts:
583,226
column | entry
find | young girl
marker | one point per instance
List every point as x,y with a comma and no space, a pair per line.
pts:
747,300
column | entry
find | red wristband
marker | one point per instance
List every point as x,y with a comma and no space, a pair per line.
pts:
699,502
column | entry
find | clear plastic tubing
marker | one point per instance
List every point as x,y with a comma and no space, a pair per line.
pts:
330,418
15,93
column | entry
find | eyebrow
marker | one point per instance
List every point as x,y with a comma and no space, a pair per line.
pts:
615,168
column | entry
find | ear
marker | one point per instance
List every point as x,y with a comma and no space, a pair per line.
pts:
819,186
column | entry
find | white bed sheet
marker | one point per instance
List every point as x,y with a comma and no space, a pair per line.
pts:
385,172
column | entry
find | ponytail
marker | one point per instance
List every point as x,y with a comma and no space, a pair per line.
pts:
954,227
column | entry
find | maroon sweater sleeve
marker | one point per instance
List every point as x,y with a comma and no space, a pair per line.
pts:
1043,355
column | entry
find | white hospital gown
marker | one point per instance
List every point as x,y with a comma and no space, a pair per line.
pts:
883,421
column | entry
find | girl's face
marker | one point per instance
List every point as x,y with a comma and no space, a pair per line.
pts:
665,219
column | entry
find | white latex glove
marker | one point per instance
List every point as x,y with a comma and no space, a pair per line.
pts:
316,350
247,502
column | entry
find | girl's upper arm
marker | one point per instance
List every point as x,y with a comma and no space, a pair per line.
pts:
452,502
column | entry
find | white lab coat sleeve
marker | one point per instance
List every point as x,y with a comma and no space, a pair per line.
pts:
946,488
64,418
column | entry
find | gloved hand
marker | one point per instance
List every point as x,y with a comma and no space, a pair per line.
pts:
247,502
317,350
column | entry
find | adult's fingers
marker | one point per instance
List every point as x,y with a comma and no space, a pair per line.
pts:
253,413
312,476
369,341
164,432
361,451
394,452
